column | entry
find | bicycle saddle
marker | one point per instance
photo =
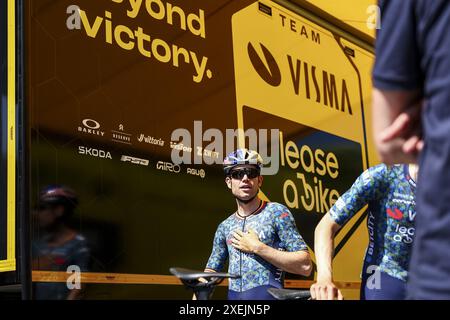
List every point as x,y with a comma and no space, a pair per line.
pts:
288,294
188,274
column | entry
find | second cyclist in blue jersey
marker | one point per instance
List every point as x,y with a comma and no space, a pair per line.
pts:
260,240
389,192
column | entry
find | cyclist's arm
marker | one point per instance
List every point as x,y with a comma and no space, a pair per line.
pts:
397,78
295,259
396,125
219,253
366,188
298,262
324,288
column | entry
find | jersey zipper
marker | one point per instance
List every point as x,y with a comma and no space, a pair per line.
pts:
240,254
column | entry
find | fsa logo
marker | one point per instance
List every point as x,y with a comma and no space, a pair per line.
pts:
143,162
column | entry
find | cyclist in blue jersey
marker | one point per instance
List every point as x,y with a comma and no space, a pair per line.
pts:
260,240
389,192
58,246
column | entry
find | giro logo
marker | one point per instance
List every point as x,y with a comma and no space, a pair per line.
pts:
267,69
167,166
396,214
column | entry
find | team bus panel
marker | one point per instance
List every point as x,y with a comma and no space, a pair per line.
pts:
98,97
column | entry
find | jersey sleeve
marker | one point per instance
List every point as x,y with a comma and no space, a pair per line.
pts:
368,187
287,231
219,254
397,54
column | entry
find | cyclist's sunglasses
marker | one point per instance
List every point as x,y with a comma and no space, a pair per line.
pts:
240,173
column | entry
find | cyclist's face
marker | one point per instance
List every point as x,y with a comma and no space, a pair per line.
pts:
244,184
47,216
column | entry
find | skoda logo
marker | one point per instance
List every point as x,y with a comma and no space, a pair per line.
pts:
268,70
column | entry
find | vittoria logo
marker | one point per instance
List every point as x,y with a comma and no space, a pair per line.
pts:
150,140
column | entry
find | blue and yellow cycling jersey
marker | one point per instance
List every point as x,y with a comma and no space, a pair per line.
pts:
389,192
275,227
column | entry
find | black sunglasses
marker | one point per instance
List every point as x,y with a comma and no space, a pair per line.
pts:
240,173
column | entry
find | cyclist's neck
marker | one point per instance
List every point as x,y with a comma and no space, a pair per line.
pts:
413,171
247,209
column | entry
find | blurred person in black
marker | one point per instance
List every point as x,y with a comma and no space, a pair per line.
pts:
411,122
58,246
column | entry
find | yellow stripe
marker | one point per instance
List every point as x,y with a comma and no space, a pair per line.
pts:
155,279
346,228
10,263
110,278
306,284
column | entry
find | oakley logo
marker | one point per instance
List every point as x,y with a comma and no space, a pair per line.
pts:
91,124
267,68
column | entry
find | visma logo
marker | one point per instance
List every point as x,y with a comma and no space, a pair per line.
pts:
268,70
320,86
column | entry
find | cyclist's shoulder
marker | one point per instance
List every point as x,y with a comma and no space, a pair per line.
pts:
277,209
375,174
397,169
274,206
386,170
396,173
379,169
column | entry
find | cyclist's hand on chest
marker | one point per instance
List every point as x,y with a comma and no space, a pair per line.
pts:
246,241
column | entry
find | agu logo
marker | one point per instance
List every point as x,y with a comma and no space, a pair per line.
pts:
266,67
